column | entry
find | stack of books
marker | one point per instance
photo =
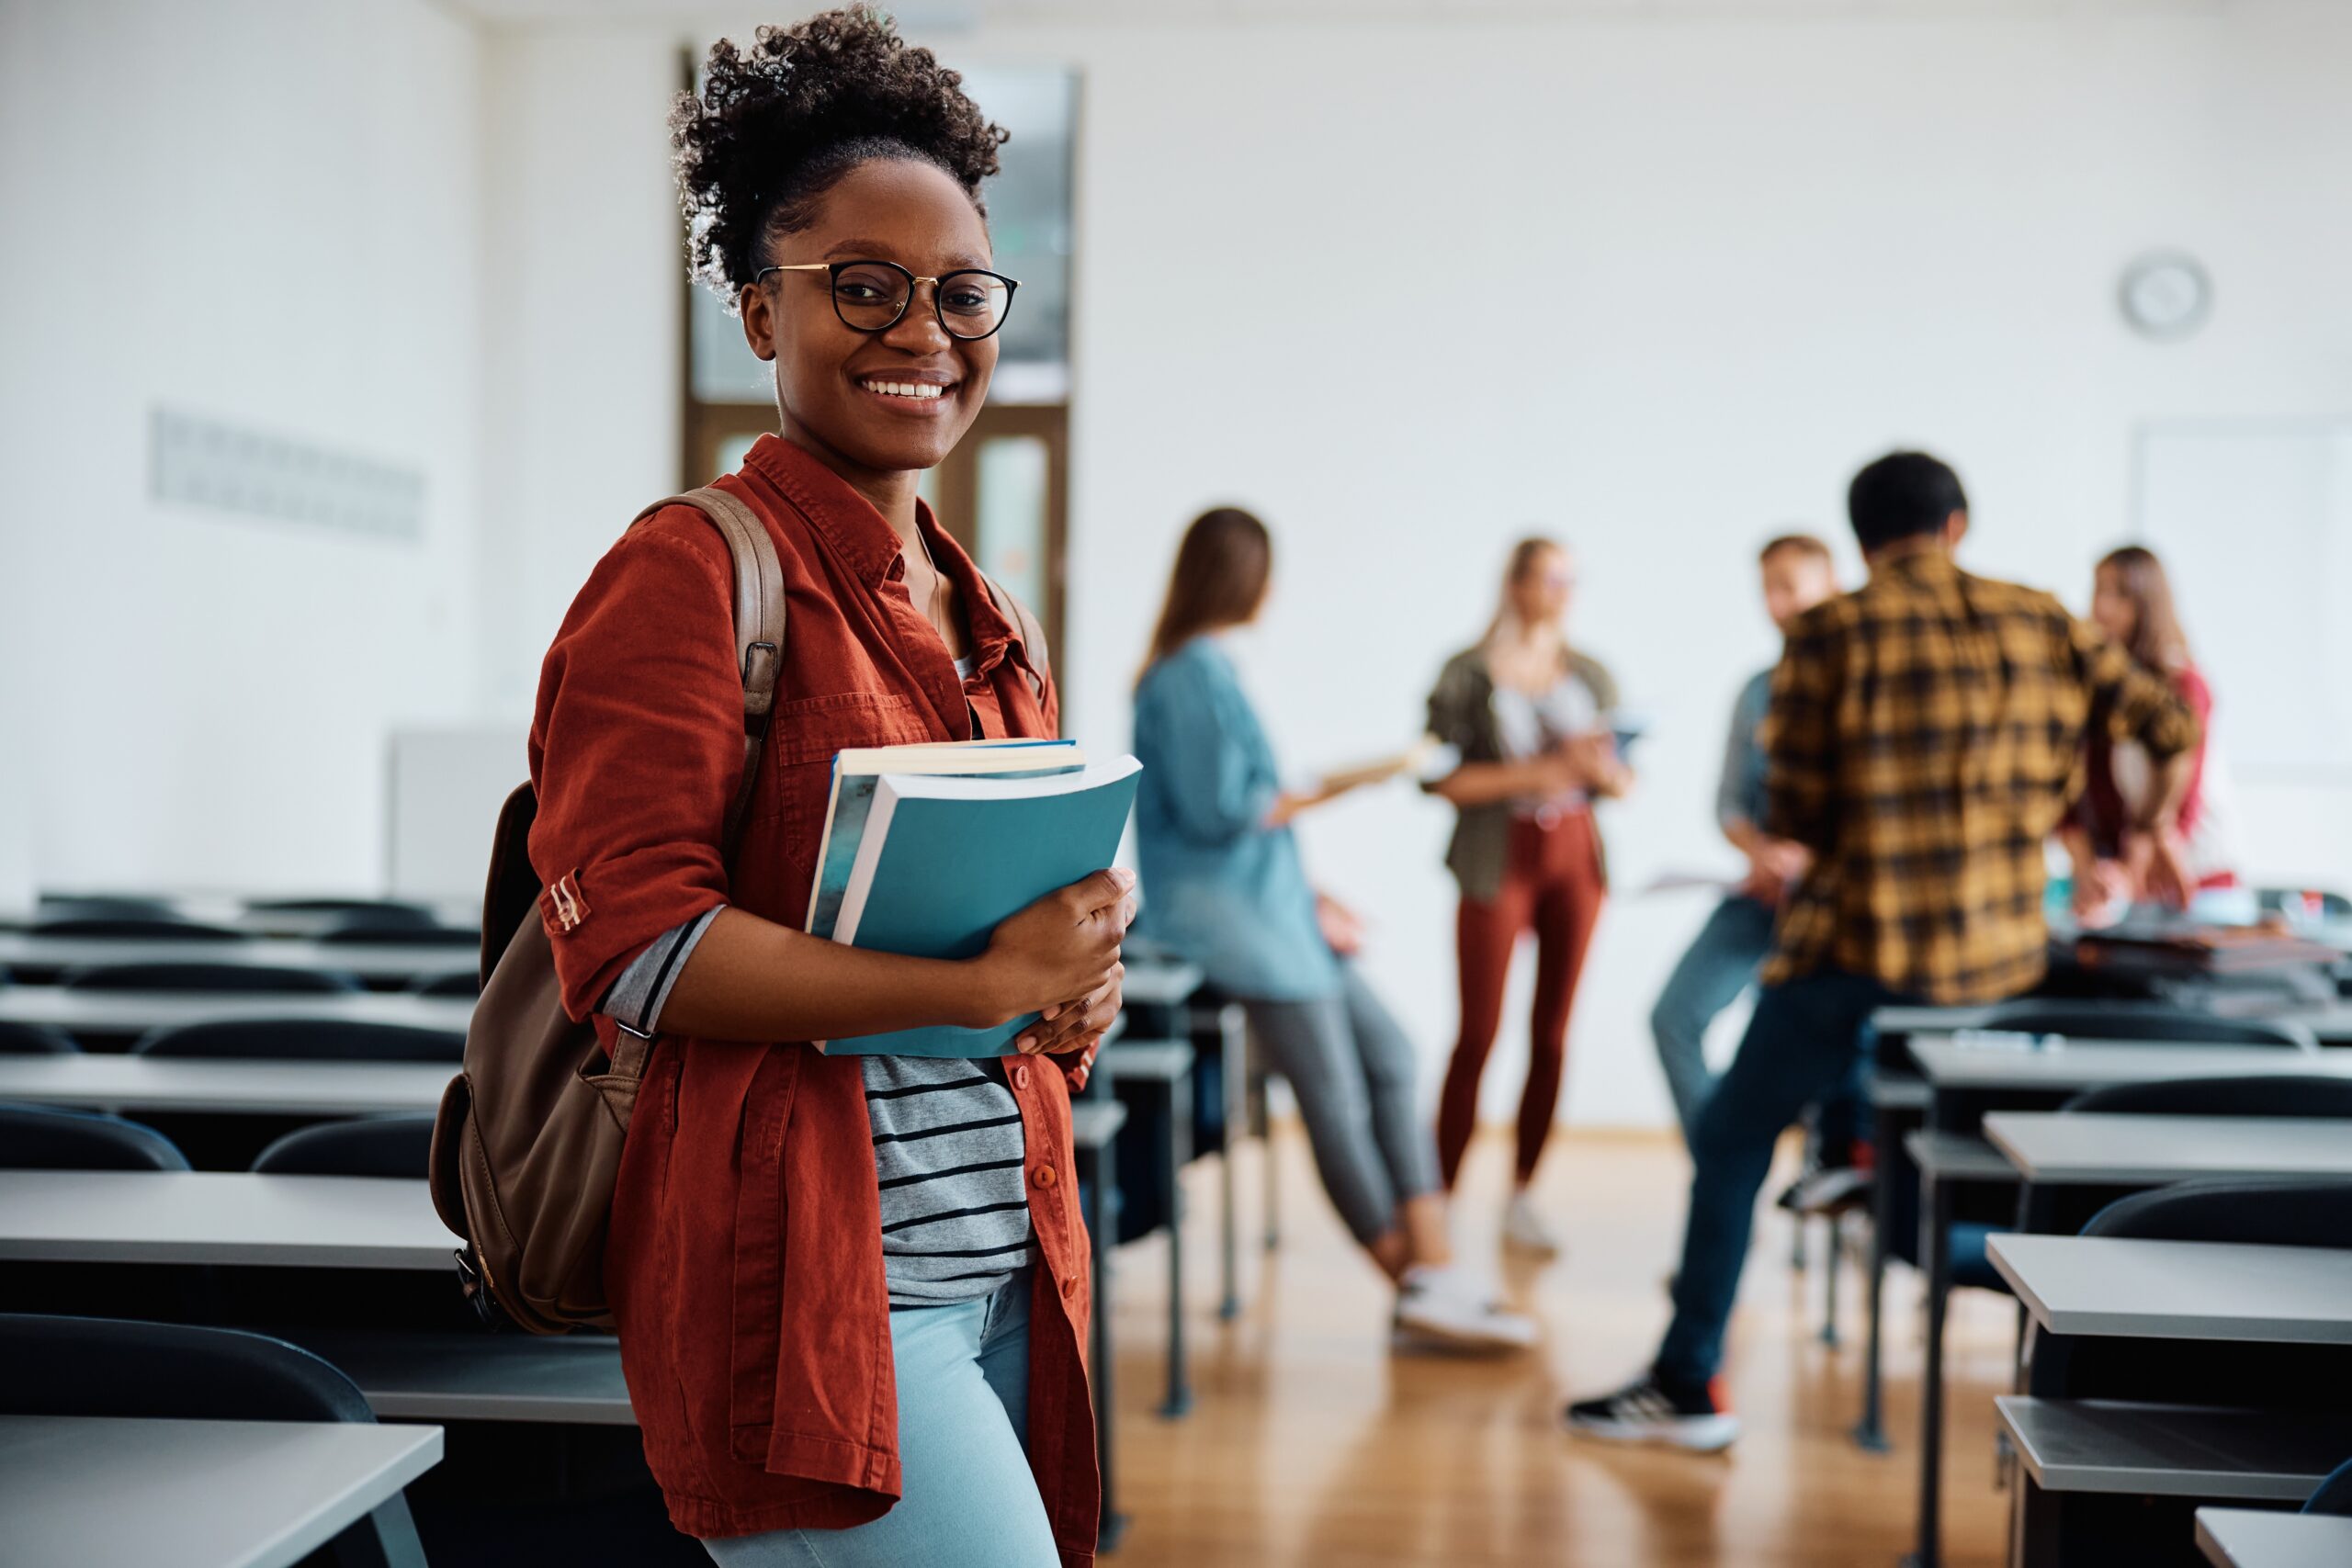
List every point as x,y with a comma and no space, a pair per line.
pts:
927,848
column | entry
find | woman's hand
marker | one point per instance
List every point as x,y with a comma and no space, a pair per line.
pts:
2158,863
1600,771
1065,945
1341,927
1078,1025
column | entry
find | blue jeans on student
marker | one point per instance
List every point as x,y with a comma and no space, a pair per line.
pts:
1805,1043
963,1377
1720,964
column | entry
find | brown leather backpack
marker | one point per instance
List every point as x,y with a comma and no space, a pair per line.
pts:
527,1145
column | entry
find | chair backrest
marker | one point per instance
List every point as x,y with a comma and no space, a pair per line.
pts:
382,911
402,936
106,907
40,1137
89,1366
2142,1021
171,930
305,1039
2267,1213
2332,1495
2294,1096
464,983
375,1146
35,1040
207,977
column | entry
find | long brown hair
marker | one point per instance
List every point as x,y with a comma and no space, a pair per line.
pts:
1524,557
2157,641
1219,579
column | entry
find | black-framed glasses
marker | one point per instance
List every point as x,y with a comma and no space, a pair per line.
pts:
873,296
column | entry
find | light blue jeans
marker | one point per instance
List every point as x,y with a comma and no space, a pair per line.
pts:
1721,963
969,1499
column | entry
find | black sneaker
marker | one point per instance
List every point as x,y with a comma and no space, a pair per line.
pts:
1647,1412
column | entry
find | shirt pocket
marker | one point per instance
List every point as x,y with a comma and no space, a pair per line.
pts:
805,733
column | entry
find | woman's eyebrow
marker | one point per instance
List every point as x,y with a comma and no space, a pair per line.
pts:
873,250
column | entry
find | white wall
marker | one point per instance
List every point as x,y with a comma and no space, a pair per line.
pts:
267,213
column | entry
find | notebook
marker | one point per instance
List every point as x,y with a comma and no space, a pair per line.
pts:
943,858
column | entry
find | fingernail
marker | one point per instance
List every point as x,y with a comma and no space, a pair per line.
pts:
1051,1013
1026,1043
1123,877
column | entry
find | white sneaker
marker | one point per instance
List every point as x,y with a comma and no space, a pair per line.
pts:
1448,1307
1524,1230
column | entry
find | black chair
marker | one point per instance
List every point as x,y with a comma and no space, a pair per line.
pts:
304,1040
77,1366
106,907
256,977
2151,1021
135,926
464,983
35,1040
402,936
395,1146
383,912
38,1137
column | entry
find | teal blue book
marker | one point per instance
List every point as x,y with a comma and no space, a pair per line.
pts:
945,858
854,771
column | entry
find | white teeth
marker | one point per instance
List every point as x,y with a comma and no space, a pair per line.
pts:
922,391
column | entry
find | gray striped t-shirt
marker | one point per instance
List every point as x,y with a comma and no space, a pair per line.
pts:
948,1148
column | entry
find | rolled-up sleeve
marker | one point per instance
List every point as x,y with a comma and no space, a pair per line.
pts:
2134,704
636,749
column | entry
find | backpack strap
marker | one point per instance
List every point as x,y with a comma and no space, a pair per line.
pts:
1033,636
759,626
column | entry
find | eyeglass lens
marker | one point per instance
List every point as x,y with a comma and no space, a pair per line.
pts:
871,296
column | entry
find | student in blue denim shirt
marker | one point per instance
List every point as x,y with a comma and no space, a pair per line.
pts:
1799,573
1223,886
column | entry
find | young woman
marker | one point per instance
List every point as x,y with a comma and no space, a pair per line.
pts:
850,1291
1527,714
2132,600
1225,887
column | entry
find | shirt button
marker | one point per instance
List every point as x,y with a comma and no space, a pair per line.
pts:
1043,1176
1020,1077
1070,1287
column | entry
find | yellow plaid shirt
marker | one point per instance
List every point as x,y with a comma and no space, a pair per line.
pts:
1924,738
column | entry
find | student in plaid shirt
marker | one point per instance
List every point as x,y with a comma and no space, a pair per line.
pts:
1923,742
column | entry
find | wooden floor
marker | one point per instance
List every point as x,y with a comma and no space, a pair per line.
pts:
1310,1443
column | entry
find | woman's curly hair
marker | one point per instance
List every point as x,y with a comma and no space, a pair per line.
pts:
777,125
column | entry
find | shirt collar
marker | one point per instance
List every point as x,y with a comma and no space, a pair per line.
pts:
864,539
1920,557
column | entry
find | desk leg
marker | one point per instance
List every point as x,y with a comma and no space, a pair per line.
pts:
1099,1220
1836,1232
1937,1243
1178,1150
1870,1432
1233,1053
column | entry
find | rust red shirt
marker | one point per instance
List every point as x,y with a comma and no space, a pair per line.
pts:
745,1256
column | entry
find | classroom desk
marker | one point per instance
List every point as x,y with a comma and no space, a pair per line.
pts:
2332,1024
230,1218
78,1490
2065,1150
2180,1290
198,1084
2174,1450
2244,1538
1168,1066
42,958
572,1380
1174,987
135,1012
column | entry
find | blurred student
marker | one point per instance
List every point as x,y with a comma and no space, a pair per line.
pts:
1799,572
1223,885
851,1294
1924,731
1528,717
2132,600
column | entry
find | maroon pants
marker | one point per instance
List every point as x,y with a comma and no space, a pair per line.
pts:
1551,883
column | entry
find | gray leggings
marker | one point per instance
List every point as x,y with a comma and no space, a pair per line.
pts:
1352,1069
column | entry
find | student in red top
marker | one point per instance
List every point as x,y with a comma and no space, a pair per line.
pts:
2132,600
852,1292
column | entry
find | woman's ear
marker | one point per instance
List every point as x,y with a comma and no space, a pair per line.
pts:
756,305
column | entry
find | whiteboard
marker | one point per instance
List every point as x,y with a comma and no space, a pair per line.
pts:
443,791
2254,520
